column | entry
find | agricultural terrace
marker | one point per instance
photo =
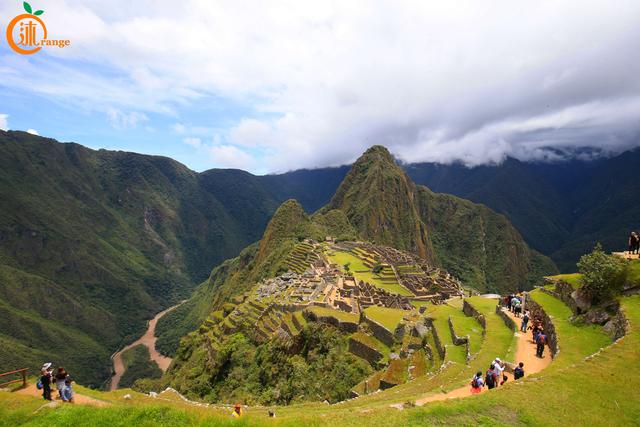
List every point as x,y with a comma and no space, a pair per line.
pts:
361,272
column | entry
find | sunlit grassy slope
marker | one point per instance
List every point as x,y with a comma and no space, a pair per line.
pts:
599,391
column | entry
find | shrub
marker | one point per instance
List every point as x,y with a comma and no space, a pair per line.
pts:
602,275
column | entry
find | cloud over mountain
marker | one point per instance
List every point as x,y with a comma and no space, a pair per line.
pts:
318,82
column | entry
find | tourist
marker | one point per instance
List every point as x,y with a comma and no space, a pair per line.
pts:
45,381
637,248
498,369
518,372
60,377
477,383
540,343
633,242
525,320
237,411
67,391
490,379
518,308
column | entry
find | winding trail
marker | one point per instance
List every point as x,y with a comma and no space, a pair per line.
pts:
526,353
148,340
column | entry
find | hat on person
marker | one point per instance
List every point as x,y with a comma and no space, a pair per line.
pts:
46,366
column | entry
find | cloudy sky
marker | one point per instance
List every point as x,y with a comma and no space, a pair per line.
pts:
273,86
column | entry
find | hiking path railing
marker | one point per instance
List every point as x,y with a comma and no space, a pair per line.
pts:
22,372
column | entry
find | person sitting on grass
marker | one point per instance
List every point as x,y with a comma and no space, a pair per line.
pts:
67,391
477,383
518,372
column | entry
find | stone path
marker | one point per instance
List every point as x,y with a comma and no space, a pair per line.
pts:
526,353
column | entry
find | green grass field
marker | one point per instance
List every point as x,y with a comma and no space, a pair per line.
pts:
573,390
387,317
573,279
329,312
362,272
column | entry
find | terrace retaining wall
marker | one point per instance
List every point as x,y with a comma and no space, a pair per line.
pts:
330,320
362,350
442,350
380,332
549,329
457,340
471,311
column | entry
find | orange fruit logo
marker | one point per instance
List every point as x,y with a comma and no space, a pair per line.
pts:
27,33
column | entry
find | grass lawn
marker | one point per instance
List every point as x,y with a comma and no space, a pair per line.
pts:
362,272
329,312
601,391
387,317
573,279
634,272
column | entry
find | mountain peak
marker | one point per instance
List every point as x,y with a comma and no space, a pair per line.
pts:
378,200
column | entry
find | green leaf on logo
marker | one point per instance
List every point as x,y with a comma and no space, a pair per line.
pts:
27,7
38,12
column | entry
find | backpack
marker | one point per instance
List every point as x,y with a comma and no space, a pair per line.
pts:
518,373
474,382
39,385
542,339
490,378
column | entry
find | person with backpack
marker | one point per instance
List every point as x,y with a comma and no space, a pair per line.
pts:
541,341
477,383
525,320
45,381
60,377
518,372
491,380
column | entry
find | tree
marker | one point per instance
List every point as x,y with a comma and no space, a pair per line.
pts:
377,268
602,275
347,267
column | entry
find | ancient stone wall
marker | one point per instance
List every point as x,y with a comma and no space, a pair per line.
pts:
442,351
380,332
330,320
549,329
564,291
511,324
369,354
470,310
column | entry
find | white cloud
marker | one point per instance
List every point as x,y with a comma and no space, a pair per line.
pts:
4,122
120,120
318,82
32,132
193,142
229,156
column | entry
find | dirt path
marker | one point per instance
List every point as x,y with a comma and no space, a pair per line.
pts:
526,353
149,341
79,399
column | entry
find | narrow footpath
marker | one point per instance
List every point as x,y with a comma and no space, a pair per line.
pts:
148,340
78,398
526,353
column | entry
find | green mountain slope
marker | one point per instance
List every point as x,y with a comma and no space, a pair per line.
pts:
93,243
470,240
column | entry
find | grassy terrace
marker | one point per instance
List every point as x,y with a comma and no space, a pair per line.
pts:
387,317
372,342
573,279
598,392
362,272
329,312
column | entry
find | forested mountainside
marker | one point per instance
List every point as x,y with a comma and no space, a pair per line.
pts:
93,243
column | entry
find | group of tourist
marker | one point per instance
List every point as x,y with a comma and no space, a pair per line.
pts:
634,243
513,303
539,336
495,376
61,379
